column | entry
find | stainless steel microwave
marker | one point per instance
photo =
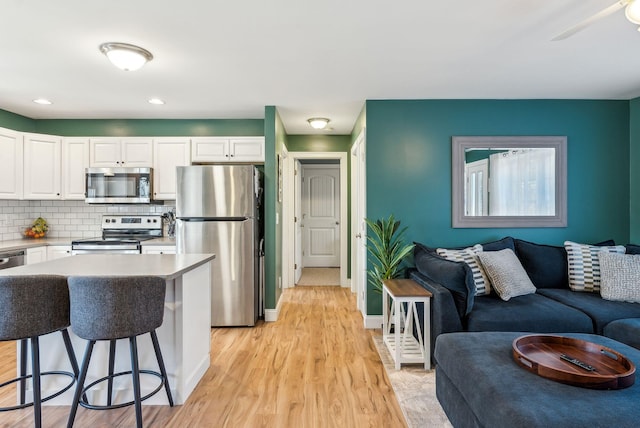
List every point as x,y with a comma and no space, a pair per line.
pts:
118,185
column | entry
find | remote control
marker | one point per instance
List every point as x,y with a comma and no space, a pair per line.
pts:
577,362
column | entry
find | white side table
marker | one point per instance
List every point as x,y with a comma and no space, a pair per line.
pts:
404,348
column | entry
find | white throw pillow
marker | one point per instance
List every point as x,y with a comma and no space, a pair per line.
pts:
508,277
584,266
620,277
469,256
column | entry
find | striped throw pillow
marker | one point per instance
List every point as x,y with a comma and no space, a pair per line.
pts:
469,256
584,265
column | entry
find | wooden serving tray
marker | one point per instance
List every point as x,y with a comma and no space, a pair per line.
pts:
574,361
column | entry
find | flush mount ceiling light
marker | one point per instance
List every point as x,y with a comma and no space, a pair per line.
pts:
42,101
125,56
318,122
156,101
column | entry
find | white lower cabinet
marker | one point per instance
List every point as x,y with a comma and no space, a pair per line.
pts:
158,249
58,251
36,255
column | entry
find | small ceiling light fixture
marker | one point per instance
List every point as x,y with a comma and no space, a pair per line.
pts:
318,122
156,101
125,56
632,11
42,101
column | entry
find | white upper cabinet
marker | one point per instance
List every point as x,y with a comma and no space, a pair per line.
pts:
42,166
11,159
75,159
246,149
227,149
121,152
168,153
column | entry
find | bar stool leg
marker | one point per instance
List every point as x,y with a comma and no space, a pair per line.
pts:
163,371
35,376
112,358
23,370
80,385
135,373
70,352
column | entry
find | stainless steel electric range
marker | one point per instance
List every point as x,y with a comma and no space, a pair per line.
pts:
121,234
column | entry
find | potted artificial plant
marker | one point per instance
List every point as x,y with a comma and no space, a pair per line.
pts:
387,250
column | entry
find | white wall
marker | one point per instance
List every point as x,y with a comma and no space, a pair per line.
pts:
66,219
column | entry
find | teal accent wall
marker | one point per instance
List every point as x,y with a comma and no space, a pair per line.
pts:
275,140
16,122
318,143
634,170
409,165
150,127
270,200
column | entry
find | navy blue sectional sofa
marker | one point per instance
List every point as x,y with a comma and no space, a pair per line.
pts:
554,308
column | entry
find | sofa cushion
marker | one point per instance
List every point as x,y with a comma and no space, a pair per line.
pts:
584,266
601,311
501,244
620,277
546,265
632,249
625,330
454,276
507,276
532,313
469,256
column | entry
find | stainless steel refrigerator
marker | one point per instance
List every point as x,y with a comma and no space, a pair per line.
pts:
218,211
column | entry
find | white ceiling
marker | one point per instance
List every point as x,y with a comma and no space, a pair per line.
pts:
228,59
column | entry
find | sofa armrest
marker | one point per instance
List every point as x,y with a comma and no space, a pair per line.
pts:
444,316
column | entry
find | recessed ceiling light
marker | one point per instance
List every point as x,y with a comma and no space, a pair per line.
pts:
43,101
156,101
125,56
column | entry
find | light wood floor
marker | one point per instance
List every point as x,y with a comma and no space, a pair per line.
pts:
316,367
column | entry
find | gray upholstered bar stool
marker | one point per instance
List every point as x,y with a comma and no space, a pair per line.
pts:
33,306
111,308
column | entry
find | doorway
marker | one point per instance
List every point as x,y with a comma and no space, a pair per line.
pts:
311,237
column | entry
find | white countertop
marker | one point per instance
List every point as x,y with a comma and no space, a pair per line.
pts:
167,266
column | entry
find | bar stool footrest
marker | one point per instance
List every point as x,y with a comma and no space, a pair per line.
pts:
25,377
88,405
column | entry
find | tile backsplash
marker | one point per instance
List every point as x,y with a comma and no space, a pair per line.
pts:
66,219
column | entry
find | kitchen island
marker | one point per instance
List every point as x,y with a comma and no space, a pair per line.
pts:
184,334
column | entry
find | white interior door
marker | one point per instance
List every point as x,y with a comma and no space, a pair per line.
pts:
321,215
298,222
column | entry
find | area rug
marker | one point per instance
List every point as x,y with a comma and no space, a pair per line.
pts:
320,276
415,391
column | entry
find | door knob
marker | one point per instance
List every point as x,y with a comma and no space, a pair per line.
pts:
359,236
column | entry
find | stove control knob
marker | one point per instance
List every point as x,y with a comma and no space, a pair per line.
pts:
107,221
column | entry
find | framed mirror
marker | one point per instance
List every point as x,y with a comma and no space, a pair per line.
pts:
509,181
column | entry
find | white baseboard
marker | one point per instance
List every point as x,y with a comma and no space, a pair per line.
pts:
271,315
372,321
347,283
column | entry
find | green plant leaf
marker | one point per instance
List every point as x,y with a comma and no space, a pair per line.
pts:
387,250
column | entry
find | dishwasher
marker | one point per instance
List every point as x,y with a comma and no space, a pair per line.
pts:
9,259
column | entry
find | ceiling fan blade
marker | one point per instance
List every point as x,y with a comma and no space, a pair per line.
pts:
582,25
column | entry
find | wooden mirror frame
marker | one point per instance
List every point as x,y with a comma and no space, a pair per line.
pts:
460,144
